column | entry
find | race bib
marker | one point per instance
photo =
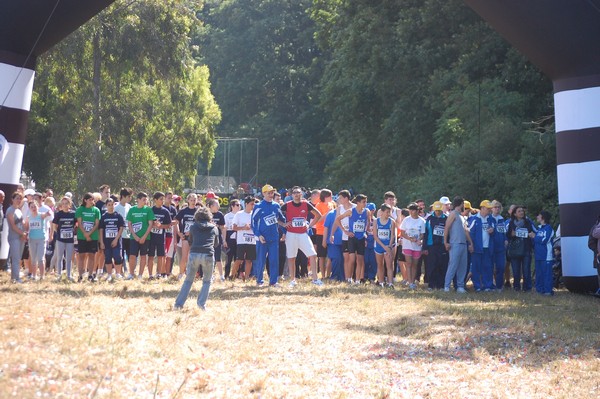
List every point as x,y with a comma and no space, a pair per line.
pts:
35,224
137,226
383,234
485,226
345,224
270,220
521,232
186,226
359,226
156,231
88,226
66,234
170,230
248,238
298,222
111,232
501,228
438,231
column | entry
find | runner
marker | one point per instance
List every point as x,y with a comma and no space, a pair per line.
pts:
344,204
296,238
88,220
139,220
265,220
324,205
112,225
231,235
245,239
332,240
185,217
499,237
384,233
64,226
413,231
123,208
359,219
36,223
219,220
436,263
170,238
161,223
17,236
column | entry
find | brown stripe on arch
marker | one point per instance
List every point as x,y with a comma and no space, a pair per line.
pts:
577,219
576,83
576,146
13,124
17,60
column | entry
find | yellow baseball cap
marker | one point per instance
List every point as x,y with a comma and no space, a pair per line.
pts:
486,204
468,205
437,206
267,188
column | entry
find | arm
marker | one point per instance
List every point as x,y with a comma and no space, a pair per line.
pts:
338,222
315,220
449,222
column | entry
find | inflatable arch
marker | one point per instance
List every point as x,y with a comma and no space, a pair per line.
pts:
561,38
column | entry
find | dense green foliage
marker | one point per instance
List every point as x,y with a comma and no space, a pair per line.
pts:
122,101
416,96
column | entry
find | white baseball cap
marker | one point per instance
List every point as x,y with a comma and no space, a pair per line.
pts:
445,200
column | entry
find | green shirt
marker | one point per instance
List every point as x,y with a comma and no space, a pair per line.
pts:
88,216
140,219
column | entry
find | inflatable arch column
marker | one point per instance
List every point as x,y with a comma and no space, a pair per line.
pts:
28,29
562,39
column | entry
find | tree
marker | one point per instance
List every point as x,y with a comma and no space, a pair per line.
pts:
123,102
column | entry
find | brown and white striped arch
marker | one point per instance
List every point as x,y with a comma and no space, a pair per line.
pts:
16,86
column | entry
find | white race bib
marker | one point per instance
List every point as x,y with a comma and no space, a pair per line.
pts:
521,232
66,234
359,226
35,224
248,238
111,232
137,226
88,226
501,228
485,226
298,222
270,220
186,226
383,234
438,231
157,231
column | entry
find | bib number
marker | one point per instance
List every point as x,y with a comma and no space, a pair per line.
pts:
438,231
66,234
248,238
383,234
156,231
186,227
136,226
88,226
111,233
298,222
359,226
35,224
270,220
521,233
500,228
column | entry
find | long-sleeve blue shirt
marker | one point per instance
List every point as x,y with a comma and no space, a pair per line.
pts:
542,243
264,220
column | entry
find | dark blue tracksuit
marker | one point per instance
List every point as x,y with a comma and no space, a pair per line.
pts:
482,272
264,223
436,262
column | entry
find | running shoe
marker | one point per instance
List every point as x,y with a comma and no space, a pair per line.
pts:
317,282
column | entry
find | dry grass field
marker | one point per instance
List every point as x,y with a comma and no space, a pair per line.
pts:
122,340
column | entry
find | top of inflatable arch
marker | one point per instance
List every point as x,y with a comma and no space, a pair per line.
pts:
22,21
560,37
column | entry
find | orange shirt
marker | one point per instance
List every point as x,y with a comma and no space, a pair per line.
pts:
324,208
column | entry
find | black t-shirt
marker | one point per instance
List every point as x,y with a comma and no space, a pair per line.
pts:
219,220
186,219
173,212
65,222
111,223
163,216
102,206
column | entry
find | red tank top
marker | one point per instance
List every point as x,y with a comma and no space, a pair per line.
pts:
297,215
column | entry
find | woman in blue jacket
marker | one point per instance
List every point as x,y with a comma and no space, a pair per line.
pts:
544,256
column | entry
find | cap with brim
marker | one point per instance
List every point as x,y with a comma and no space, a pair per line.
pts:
445,200
211,194
437,206
413,206
268,188
468,205
486,204
29,191
371,206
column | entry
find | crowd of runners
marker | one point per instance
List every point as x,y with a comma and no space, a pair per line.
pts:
293,234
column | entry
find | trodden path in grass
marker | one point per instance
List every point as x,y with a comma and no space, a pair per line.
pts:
122,340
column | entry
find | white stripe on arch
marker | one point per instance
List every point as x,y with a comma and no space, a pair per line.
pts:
578,182
578,259
11,160
19,94
577,109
